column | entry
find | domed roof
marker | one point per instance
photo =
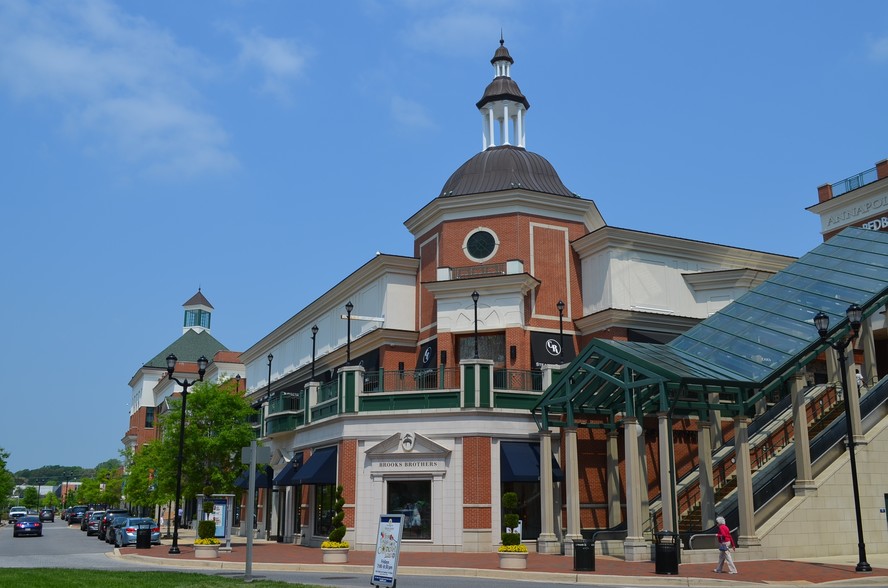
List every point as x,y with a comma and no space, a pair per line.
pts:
502,88
505,168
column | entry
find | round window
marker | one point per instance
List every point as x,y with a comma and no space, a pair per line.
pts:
481,245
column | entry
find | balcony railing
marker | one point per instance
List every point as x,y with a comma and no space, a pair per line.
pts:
286,402
411,380
328,391
531,381
475,271
862,179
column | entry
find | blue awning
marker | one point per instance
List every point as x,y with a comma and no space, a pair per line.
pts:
319,469
243,480
520,462
289,472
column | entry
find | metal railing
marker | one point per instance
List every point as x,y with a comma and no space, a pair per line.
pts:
530,381
328,391
411,380
286,402
848,184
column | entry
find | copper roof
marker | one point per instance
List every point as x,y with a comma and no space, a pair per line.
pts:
502,88
198,300
505,168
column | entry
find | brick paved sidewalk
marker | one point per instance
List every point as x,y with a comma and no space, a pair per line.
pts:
764,571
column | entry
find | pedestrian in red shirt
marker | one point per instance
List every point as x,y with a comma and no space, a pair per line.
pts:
725,546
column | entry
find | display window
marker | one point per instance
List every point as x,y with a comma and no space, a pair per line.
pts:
324,508
413,499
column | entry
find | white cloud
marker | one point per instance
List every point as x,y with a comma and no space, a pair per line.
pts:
879,49
119,81
281,61
410,114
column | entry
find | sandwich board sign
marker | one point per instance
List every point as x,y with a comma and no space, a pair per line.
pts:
388,549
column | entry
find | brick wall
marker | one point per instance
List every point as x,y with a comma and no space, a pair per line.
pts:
476,483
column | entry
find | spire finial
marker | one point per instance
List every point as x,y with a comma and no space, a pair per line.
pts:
502,42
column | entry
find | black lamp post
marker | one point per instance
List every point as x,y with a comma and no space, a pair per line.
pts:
268,490
560,306
475,297
821,321
348,339
39,482
314,334
237,380
201,370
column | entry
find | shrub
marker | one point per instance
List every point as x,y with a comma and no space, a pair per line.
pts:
334,539
206,531
511,541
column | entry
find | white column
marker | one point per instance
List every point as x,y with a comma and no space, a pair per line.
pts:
852,400
519,127
707,488
715,420
485,141
747,536
572,481
804,484
832,372
491,129
506,121
614,515
547,542
667,481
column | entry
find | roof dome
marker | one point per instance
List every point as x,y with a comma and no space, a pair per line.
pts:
505,168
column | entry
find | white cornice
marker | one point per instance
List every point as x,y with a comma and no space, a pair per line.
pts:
612,317
737,278
448,208
374,269
607,238
487,285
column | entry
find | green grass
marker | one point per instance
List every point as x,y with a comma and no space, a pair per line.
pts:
52,577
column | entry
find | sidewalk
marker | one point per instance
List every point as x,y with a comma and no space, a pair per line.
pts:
272,556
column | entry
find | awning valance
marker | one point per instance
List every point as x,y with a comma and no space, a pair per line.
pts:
319,469
285,477
520,462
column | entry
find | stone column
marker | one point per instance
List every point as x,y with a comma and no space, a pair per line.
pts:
804,484
832,372
866,342
707,488
614,515
643,476
715,419
747,536
635,547
547,542
852,402
667,479
572,481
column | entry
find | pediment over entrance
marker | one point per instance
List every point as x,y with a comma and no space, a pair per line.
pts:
412,445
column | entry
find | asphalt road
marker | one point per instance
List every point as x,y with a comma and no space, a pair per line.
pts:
69,547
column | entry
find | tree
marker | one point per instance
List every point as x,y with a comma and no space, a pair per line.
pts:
217,426
29,497
7,480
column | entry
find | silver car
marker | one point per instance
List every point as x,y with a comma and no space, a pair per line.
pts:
125,533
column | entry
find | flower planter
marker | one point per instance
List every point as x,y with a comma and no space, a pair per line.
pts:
513,560
335,555
206,551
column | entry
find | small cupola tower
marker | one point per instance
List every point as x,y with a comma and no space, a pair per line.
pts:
198,312
503,107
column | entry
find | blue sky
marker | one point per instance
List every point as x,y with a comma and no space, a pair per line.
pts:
263,150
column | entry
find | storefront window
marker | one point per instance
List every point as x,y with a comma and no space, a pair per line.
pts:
325,499
528,506
412,498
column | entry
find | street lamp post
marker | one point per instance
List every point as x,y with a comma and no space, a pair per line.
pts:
821,321
39,482
475,297
560,306
185,384
314,334
268,488
348,340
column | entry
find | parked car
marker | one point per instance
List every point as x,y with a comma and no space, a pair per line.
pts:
126,533
93,521
27,525
47,514
84,521
106,520
115,522
75,514
16,512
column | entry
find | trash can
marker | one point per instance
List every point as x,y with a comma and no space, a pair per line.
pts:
143,537
666,552
584,555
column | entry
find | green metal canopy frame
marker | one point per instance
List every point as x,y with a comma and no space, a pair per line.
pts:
734,358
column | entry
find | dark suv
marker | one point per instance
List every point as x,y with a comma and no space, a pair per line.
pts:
75,514
106,521
47,514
